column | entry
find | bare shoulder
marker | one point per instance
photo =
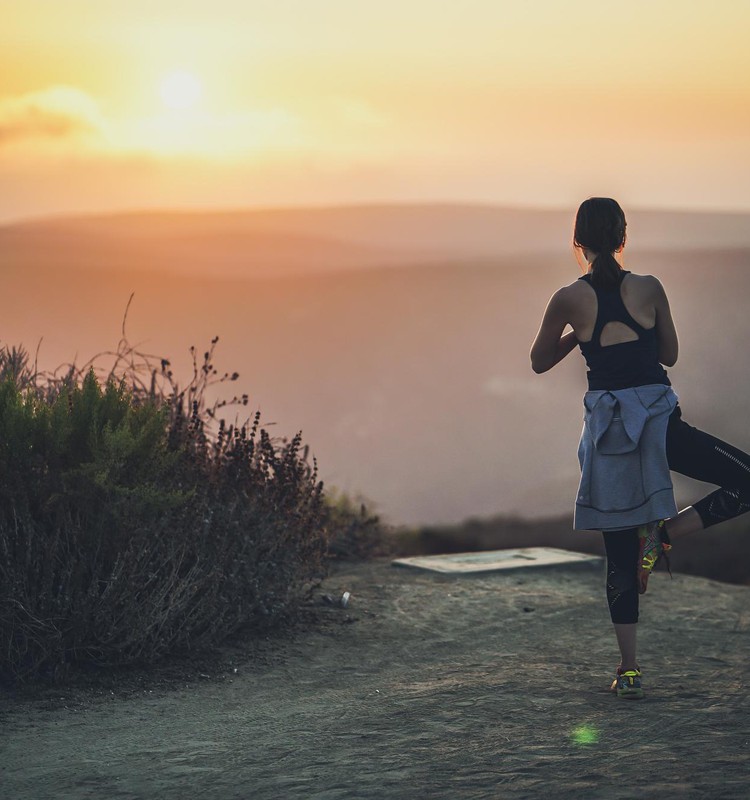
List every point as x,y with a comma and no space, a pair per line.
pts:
645,289
575,290
646,285
576,295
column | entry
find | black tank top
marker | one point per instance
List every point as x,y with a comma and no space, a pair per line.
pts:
620,366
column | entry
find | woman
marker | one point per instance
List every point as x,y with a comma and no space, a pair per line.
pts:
623,325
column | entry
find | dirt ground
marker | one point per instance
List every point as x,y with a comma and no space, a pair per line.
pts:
425,686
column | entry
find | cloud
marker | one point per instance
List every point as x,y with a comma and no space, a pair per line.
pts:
56,113
63,119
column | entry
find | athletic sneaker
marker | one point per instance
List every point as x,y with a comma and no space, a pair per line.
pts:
653,544
628,684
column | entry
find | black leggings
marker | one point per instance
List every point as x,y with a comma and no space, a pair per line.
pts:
698,455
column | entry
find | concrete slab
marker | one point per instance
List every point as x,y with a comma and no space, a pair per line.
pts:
495,560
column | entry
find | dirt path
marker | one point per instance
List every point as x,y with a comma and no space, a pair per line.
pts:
436,687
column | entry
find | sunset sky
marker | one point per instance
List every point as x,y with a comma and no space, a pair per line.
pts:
108,105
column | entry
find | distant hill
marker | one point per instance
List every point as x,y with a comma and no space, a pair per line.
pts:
264,243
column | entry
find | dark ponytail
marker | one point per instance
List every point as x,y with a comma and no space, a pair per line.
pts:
600,227
605,271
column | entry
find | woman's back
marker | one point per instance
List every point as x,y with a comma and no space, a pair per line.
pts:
637,296
616,328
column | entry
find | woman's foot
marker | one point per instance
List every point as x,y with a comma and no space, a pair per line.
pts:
627,684
653,544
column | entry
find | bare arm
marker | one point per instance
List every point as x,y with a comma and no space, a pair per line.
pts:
665,330
551,346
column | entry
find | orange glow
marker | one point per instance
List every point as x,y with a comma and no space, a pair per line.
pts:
500,102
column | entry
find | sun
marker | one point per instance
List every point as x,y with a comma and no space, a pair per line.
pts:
180,90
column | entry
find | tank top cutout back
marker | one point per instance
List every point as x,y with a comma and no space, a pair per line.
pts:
626,364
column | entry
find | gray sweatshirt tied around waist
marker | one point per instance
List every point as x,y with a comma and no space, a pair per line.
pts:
625,480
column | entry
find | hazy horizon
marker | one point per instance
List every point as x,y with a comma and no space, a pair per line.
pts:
260,208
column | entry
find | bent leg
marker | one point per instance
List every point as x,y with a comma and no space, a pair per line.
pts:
699,455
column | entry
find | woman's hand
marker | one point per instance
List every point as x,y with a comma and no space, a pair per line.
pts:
551,346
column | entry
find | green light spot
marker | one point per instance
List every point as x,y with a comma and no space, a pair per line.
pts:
585,734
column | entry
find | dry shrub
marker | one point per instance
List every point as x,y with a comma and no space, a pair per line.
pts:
135,523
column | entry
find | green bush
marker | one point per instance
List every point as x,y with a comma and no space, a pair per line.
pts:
128,530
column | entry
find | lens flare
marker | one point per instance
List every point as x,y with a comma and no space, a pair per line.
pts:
585,734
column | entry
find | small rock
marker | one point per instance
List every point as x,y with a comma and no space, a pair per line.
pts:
528,608
345,599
